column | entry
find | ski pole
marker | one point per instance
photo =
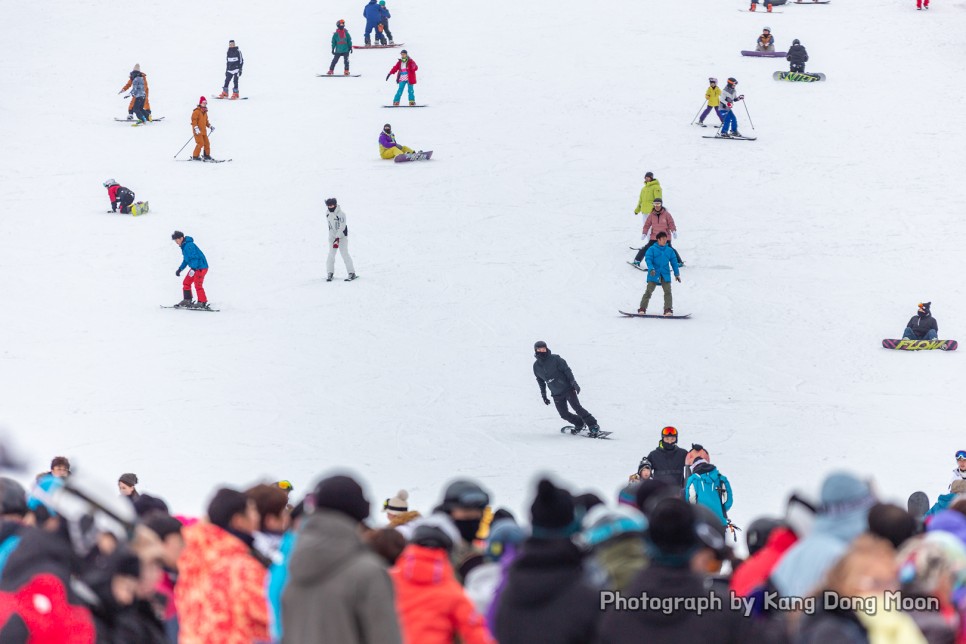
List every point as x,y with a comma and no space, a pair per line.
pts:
183,146
749,114
699,112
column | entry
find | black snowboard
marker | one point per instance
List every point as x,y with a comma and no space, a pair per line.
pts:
569,429
651,315
918,504
334,75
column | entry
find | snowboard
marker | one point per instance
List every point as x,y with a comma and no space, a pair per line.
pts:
414,156
812,2
799,77
920,345
764,54
733,138
228,98
423,105
569,429
133,121
184,308
650,315
140,208
918,504
334,75
392,46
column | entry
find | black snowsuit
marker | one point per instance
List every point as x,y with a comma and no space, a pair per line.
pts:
125,197
546,598
668,462
554,372
234,61
922,324
797,56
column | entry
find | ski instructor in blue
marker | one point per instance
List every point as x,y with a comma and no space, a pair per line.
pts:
552,371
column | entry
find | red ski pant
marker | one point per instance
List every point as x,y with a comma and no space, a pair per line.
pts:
198,279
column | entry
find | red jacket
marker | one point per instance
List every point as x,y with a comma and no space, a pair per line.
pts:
411,67
431,604
758,567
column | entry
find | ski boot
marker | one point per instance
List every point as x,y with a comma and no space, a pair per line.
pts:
768,7
224,93
391,42
201,305
183,304
345,73
234,96
594,431
194,158
576,430
724,135
642,311
150,118
637,263
395,103
329,73
753,7
368,43
206,157
411,103
351,277
668,312
736,133
329,277
130,117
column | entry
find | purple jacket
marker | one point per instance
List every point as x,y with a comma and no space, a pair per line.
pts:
388,141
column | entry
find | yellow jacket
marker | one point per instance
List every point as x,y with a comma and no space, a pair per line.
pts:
650,192
713,96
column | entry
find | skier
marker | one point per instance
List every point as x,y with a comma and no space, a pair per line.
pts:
922,326
384,23
960,472
194,260
341,47
710,488
373,16
713,97
388,148
552,370
130,81
728,99
200,125
139,93
797,56
658,221
650,192
405,70
234,61
123,198
338,240
766,42
658,258
668,459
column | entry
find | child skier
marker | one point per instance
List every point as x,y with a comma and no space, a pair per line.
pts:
338,240
923,325
384,24
552,371
713,96
766,42
405,70
341,47
797,56
728,99
136,72
200,126
658,221
123,198
373,15
234,61
388,148
659,257
194,260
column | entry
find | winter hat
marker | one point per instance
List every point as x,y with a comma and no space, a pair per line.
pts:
382,2
796,42
146,504
463,493
436,531
13,498
60,460
123,562
129,479
697,451
202,100
846,500
648,175
331,201
540,344
628,494
603,524
924,308
552,512
137,67
949,521
226,504
397,504
892,523
503,533
673,527
343,494
926,559
649,492
758,532
645,463
584,502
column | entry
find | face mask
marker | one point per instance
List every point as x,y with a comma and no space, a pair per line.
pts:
541,355
387,131
468,528
332,208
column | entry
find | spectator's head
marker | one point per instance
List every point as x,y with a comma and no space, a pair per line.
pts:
123,568
126,483
672,532
503,540
669,435
868,569
272,504
846,500
60,467
150,551
586,502
552,513
932,565
342,494
800,514
697,452
145,504
397,505
714,549
233,510
388,543
604,525
958,486
651,491
756,536
13,500
892,523
961,460
436,531
40,507
952,521
465,501
168,530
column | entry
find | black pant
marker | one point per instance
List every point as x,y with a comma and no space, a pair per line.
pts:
125,205
577,420
797,67
228,77
335,59
640,253
139,109
385,29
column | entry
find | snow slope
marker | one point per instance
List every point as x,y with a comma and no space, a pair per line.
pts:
805,248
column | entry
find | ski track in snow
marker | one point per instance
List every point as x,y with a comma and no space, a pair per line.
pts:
807,247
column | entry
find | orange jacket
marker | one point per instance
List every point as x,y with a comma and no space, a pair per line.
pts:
431,604
199,119
221,589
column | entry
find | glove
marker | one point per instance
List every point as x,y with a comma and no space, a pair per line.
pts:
333,51
239,72
197,130
674,234
546,401
177,273
740,97
212,127
191,272
644,236
576,388
637,211
335,244
652,273
677,278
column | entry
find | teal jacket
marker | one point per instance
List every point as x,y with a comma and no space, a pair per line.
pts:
341,42
710,488
658,259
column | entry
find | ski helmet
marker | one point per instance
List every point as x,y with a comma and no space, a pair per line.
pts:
109,183
340,24
331,202
796,42
712,80
758,533
733,80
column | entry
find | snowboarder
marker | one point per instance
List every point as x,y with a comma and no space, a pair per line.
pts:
668,459
234,61
710,488
922,326
766,42
754,5
338,240
194,260
123,198
658,258
797,56
388,148
658,221
650,192
960,472
135,73
384,23
405,70
373,16
200,125
552,371
728,99
713,97
341,47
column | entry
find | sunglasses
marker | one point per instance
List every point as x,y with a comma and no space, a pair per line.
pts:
669,431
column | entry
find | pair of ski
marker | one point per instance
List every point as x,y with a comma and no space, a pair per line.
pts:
189,308
205,160
731,137
136,122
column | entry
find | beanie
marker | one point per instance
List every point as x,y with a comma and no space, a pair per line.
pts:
129,479
552,509
436,531
137,67
13,498
226,504
673,527
649,175
628,494
343,494
146,503
398,503
202,100
125,563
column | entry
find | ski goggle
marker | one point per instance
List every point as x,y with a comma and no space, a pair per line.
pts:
285,485
961,455
669,431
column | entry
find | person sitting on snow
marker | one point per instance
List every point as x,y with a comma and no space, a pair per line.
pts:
922,326
388,148
766,42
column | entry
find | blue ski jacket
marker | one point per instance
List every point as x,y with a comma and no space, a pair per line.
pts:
372,14
658,259
137,87
710,488
193,257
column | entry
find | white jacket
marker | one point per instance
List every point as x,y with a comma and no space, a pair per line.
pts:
336,221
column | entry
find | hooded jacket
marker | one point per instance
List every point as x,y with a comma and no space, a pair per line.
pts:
387,141
728,97
546,598
234,61
705,485
668,462
659,222
431,604
658,259
411,68
193,257
922,324
797,55
338,590
372,15
650,192
554,372
341,42
337,224
713,96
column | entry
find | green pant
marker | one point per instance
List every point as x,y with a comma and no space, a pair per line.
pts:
650,289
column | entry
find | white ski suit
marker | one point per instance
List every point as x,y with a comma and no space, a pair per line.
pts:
338,240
